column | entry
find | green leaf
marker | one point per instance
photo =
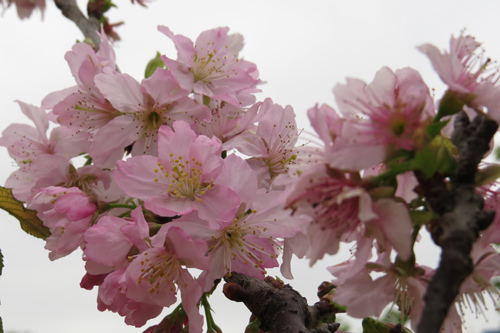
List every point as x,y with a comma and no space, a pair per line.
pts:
421,217
438,156
253,327
488,175
371,325
450,104
426,161
497,153
153,64
382,192
28,218
435,128
387,178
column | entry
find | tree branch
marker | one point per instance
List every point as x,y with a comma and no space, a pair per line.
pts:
280,309
88,26
462,218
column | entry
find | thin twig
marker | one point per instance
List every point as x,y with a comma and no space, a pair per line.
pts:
88,26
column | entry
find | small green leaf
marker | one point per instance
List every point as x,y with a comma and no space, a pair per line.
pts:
497,153
253,327
421,217
435,128
387,178
438,156
382,192
371,325
153,64
426,161
28,218
450,104
488,175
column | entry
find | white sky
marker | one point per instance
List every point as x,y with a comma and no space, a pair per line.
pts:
302,49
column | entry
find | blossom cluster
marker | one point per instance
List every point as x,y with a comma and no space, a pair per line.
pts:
171,183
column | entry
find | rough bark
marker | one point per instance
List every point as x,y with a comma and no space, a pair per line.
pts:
461,218
280,309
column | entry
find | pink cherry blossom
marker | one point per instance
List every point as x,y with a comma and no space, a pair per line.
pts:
112,296
249,244
85,63
477,288
142,109
380,118
107,245
143,273
342,210
84,108
155,275
182,178
47,170
492,234
337,208
366,296
67,212
26,143
43,160
211,66
271,145
227,121
467,72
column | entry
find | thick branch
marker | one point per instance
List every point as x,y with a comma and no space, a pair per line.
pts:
462,218
280,309
88,26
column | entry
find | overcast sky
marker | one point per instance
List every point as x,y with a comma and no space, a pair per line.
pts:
302,49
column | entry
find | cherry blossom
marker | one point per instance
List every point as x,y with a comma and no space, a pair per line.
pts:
155,275
467,72
249,244
211,66
227,121
26,143
182,178
67,212
271,145
84,108
112,296
475,290
364,295
142,109
342,210
379,118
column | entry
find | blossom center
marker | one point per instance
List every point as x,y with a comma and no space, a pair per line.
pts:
244,242
185,180
208,66
161,270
